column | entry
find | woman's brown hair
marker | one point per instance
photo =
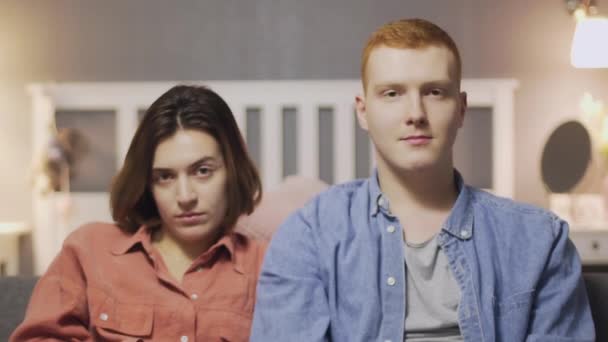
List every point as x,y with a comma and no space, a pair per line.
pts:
183,107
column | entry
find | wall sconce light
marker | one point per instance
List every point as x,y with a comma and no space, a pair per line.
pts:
589,48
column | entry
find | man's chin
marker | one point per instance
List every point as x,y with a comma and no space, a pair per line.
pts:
415,166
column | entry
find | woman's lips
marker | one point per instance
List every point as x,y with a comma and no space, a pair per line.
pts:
189,219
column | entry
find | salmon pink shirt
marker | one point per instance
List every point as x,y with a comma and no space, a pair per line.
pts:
108,285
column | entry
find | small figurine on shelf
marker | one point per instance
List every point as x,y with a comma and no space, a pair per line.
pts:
67,147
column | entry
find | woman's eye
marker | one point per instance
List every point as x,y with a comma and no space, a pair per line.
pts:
204,171
163,178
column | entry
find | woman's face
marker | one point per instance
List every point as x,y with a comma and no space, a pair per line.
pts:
189,185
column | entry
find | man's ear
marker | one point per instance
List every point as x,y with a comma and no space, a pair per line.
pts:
361,111
463,107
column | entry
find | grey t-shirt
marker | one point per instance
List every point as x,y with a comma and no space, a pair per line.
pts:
432,294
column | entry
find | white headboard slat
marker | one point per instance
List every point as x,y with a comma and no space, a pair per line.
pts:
270,97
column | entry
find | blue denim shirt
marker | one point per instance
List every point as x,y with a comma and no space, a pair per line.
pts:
334,271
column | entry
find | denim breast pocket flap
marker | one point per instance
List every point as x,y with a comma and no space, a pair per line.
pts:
513,302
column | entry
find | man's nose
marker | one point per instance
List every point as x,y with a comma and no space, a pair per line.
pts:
415,113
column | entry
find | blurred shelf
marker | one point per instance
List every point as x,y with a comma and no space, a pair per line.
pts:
9,246
592,244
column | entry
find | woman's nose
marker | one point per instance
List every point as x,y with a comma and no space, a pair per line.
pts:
185,192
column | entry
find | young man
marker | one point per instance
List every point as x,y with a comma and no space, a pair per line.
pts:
413,252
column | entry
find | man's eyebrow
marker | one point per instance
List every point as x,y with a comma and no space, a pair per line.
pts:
389,84
399,85
442,83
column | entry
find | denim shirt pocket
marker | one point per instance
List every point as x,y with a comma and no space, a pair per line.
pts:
513,303
511,315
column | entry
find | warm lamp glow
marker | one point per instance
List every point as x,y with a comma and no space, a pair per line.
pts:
590,43
595,117
604,137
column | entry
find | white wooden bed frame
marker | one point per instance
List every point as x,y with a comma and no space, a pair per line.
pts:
270,97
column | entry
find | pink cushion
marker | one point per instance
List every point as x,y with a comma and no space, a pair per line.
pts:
278,204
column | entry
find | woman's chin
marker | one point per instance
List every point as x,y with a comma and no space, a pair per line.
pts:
196,233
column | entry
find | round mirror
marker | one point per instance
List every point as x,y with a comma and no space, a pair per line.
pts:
566,157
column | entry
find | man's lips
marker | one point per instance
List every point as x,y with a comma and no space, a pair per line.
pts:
417,140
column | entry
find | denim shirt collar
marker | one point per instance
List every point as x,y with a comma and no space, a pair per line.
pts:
375,194
460,221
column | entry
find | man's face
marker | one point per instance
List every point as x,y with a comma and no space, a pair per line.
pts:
412,107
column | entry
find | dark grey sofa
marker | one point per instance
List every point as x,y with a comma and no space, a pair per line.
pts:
597,290
15,293
14,296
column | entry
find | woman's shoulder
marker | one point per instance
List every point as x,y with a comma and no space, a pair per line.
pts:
96,233
252,248
250,244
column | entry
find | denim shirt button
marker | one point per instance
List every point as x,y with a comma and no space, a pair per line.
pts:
390,229
464,234
391,281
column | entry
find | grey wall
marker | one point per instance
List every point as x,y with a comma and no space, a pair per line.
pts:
138,40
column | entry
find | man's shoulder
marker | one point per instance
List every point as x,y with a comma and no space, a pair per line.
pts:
524,214
338,197
346,190
330,206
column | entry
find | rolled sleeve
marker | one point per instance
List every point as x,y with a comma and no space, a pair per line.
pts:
57,310
291,299
561,309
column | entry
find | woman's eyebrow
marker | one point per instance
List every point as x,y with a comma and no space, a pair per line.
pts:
191,165
161,169
203,160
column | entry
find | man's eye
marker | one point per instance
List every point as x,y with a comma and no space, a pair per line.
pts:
437,92
390,93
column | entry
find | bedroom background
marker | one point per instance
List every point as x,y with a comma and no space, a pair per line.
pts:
142,40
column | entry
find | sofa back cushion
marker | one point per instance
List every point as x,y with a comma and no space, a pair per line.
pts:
14,295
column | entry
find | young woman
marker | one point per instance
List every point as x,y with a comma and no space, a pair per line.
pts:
171,268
